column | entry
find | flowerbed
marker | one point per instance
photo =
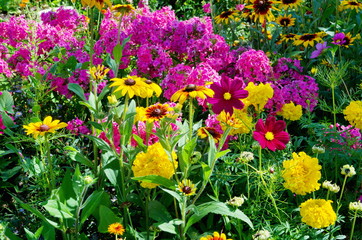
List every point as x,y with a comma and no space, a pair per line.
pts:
146,123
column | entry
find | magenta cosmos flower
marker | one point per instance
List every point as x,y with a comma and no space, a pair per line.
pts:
270,134
228,94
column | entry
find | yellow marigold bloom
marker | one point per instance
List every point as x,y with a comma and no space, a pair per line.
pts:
352,4
186,187
290,111
202,133
226,16
308,39
216,236
226,120
353,113
246,122
285,21
99,72
157,111
154,162
262,10
46,126
285,4
116,229
258,95
301,174
318,213
153,88
98,3
192,91
130,85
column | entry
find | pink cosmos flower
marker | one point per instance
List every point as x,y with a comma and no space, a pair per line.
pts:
270,134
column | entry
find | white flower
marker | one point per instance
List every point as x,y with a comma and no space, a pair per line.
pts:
262,235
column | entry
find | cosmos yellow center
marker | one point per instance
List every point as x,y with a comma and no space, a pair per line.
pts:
227,96
269,136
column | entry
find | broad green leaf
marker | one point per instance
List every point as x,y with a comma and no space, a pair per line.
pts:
78,157
158,212
173,194
48,231
157,180
170,227
90,205
6,102
29,235
107,217
117,53
101,144
216,208
58,209
8,233
78,90
66,191
206,171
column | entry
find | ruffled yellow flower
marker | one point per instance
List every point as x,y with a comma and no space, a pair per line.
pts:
246,122
226,120
353,114
290,111
154,162
318,213
301,174
46,126
216,236
98,72
258,95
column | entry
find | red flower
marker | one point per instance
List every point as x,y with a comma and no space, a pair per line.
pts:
271,135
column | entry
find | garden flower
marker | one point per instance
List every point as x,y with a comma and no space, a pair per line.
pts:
226,16
192,91
76,127
227,95
348,170
157,111
246,120
46,126
286,37
308,39
206,7
353,113
122,9
236,201
246,157
301,173
130,85
154,162
116,229
98,3
216,236
99,72
318,149
292,112
285,4
258,95
112,100
351,4
261,235
331,187
270,134
320,47
285,21
186,187
261,10
355,206
153,88
202,133
228,120
348,39
318,213
338,39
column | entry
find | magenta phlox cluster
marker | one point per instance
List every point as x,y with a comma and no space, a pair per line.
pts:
15,31
76,127
116,137
2,126
347,136
60,84
65,18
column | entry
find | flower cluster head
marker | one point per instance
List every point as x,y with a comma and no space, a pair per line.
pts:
191,91
186,187
261,235
331,187
270,134
246,157
76,126
130,85
46,126
154,162
353,113
116,229
216,236
348,170
301,173
318,213
355,206
338,39
236,201
291,112
258,95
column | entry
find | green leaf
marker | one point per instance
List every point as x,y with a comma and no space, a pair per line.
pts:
29,234
206,171
173,194
216,208
90,205
107,217
78,157
78,90
117,53
58,209
170,226
8,233
101,144
48,231
158,212
6,102
157,180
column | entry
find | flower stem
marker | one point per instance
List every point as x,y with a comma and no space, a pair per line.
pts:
340,197
183,215
50,163
353,224
191,117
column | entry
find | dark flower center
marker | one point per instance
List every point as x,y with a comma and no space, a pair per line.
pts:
130,82
347,41
190,88
148,81
353,3
262,7
156,112
308,37
285,22
226,14
289,1
44,128
186,189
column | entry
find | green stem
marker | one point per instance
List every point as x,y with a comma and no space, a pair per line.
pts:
342,190
183,215
353,224
50,164
191,117
77,215
334,106
147,214
260,158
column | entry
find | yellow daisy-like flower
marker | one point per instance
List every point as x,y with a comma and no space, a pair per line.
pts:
130,85
258,95
157,111
308,39
353,114
348,39
192,91
301,174
98,3
285,4
226,120
262,10
246,122
202,133
226,16
153,88
290,111
116,229
112,100
286,38
122,9
186,187
154,162
285,21
99,72
140,114
216,236
318,213
23,3
46,126
353,5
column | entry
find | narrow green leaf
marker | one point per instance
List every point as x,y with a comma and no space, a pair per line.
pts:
29,235
8,233
78,90
78,157
157,180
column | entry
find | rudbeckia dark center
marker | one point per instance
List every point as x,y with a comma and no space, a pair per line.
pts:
186,189
226,14
44,128
190,88
347,41
285,21
156,112
308,37
288,1
353,3
262,7
148,81
130,82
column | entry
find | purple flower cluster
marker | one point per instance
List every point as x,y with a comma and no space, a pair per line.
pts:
65,18
76,127
348,136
